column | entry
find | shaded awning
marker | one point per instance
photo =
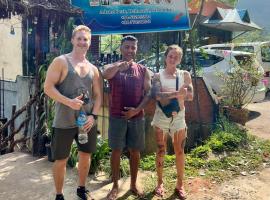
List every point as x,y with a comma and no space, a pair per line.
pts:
231,20
59,8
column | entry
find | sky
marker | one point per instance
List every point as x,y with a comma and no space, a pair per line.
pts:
258,11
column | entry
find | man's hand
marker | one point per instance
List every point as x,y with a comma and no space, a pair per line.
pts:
76,103
130,112
123,66
89,123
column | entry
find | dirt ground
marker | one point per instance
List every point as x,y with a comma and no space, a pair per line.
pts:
27,178
250,187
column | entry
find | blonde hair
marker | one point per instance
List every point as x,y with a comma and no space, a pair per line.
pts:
81,28
173,47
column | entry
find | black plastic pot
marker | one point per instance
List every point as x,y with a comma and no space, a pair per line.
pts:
49,152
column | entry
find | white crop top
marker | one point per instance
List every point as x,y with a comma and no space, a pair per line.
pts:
170,84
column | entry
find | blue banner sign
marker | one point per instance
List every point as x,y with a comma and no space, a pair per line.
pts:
134,16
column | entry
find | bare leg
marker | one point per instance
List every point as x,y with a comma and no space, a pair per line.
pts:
179,145
83,167
161,140
59,171
115,165
134,165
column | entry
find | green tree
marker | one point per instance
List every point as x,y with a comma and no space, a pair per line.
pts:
228,2
110,43
253,36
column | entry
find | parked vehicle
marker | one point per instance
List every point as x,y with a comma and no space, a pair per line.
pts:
260,49
210,63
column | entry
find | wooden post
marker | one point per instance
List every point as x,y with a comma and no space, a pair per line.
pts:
12,128
38,148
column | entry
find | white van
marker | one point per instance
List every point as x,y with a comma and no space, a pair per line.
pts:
260,49
211,62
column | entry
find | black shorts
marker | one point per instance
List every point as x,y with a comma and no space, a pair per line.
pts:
63,138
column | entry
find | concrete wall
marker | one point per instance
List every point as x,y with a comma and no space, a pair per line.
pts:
11,48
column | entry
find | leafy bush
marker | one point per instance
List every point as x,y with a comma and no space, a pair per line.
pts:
124,167
148,163
101,153
105,166
216,145
194,161
227,141
73,156
240,82
201,151
169,160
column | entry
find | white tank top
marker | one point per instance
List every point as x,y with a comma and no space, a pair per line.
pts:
170,84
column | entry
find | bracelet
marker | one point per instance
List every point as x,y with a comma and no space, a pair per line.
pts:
94,116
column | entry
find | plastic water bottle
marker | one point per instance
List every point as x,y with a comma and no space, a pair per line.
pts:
82,135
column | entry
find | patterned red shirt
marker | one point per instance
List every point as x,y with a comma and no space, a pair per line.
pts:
126,90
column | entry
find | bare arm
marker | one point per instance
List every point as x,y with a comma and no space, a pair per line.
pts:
188,85
98,100
96,92
53,77
111,69
147,86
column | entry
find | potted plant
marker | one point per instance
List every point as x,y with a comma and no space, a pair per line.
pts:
240,84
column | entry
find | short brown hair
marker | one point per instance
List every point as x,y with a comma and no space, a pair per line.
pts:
172,47
81,28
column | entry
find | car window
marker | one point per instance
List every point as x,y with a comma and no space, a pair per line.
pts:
249,49
265,53
202,60
246,60
221,48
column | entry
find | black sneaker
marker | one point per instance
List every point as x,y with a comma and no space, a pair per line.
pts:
59,197
84,194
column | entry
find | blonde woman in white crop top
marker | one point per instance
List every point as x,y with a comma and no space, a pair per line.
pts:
163,90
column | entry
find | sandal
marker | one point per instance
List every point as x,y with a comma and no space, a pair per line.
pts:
159,191
112,195
180,193
137,193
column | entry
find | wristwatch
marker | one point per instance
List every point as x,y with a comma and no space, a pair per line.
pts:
94,116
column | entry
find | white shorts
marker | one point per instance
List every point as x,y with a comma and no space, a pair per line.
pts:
169,125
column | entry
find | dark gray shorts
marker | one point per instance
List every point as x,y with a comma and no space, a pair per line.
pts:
126,133
63,138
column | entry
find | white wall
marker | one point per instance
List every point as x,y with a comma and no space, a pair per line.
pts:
11,48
